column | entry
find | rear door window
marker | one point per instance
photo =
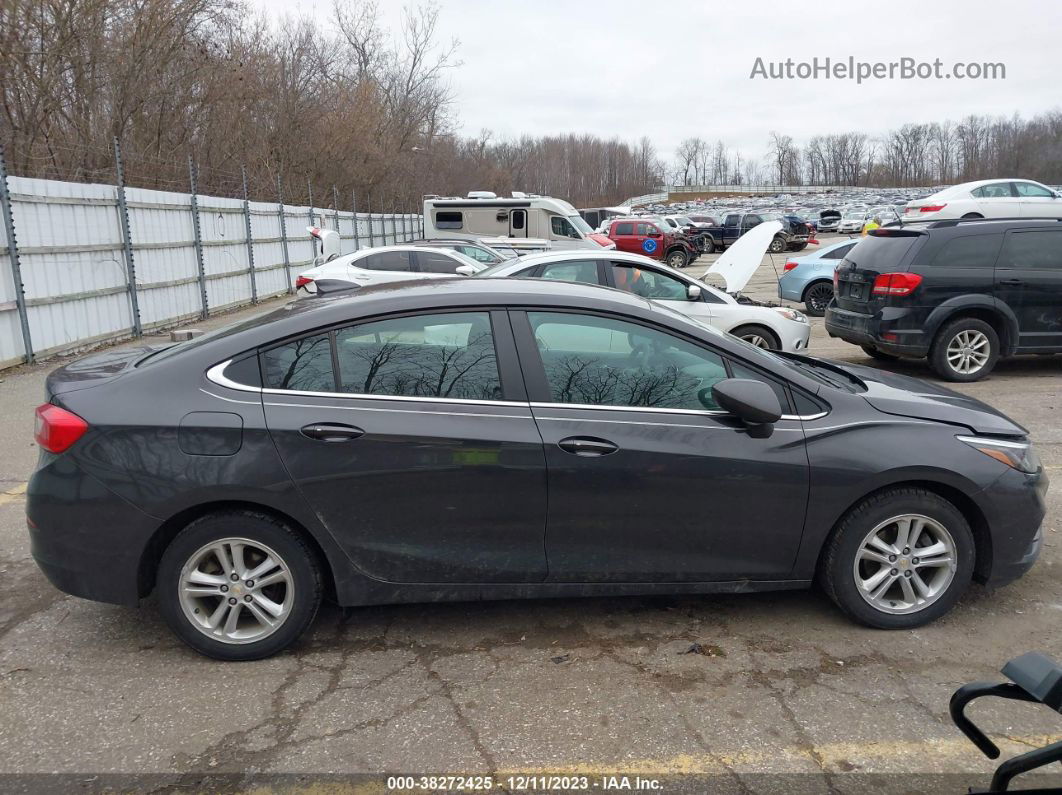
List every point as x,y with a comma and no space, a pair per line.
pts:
624,229
583,271
1040,250
385,261
304,365
839,253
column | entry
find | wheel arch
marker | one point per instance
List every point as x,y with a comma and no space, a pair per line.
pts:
963,503
992,311
815,280
168,530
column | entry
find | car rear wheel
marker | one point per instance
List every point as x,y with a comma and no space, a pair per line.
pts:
900,559
881,356
966,349
238,585
760,336
817,297
709,245
777,245
677,259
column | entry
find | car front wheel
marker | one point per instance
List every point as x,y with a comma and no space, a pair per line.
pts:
677,259
966,349
238,585
898,560
759,336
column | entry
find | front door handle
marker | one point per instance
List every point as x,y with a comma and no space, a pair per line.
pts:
331,432
587,446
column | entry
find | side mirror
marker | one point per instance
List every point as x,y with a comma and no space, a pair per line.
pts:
693,292
753,402
465,270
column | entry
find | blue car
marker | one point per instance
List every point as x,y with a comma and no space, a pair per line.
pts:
809,279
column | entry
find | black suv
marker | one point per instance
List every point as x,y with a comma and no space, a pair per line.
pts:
963,293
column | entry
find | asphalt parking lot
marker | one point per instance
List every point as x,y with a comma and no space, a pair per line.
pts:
731,686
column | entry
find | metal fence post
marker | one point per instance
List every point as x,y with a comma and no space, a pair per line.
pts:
394,228
198,238
16,265
313,240
372,237
354,207
284,232
335,208
250,241
127,241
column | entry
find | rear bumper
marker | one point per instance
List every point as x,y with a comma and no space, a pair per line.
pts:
86,540
863,329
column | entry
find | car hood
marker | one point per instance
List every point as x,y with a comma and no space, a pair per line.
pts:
903,396
740,261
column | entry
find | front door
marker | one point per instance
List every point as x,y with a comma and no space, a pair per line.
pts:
1028,279
412,453
648,480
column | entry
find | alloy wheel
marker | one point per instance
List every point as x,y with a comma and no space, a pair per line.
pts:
968,351
819,297
757,339
235,590
905,564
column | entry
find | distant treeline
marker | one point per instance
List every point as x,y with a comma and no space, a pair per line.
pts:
344,104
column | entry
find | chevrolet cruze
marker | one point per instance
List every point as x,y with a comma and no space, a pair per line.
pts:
501,438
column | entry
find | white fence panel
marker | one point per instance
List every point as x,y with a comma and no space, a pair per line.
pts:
12,349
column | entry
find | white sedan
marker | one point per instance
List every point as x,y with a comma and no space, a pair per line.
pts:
774,327
386,264
988,198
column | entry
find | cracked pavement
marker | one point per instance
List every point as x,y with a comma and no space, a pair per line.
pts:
782,684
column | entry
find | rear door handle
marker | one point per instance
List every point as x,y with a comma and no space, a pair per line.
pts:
587,446
331,432
1011,282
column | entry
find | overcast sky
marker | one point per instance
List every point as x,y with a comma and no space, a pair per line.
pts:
674,70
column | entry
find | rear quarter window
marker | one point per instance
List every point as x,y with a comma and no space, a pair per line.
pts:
881,254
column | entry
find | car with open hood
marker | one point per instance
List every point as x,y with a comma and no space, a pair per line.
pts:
772,327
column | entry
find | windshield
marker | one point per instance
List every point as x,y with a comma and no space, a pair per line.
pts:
578,222
495,270
684,220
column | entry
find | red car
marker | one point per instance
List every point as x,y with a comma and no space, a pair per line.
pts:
646,237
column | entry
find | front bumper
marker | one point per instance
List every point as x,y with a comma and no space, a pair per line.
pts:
1015,508
795,336
87,541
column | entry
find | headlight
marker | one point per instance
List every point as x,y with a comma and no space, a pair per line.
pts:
790,314
1017,455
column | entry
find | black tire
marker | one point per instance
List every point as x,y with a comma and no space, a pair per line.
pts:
836,569
296,555
938,352
778,245
762,332
798,247
817,297
881,356
677,258
709,244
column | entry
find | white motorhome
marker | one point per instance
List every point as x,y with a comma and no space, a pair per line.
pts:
521,216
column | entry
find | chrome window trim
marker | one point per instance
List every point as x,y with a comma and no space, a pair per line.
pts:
527,416
216,374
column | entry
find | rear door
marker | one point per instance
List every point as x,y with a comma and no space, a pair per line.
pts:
997,200
1028,279
411,439
383,266
623,236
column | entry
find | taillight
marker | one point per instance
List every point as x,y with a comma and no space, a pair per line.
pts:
302,281
896,283
836,281
57,429
790,265
932,208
